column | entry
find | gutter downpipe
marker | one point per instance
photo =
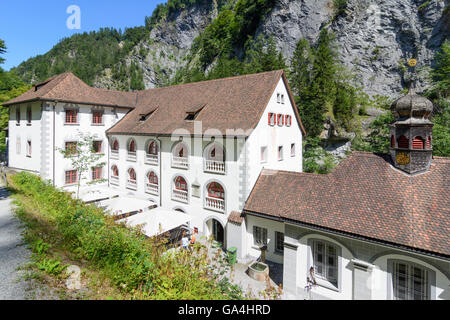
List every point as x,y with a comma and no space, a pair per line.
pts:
54,140
160,170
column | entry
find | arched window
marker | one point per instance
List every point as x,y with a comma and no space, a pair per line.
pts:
115,145
410,281
403,142
180,150
418,143
132,174
115,171
392,142
215,152
215,190
152,178
325,261
180,156
429,142
153,148
180,184
132,146
216,197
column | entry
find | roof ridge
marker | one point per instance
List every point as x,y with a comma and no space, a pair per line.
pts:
213,80
63,76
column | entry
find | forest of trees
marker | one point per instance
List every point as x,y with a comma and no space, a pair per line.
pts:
11,86
324,90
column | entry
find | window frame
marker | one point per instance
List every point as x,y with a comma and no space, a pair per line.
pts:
279,242
97,173
101,146
431,277
74,119
264,152
334,286
259,232
29,148
29,115
71,174
293,150
280,151
18,116
95,116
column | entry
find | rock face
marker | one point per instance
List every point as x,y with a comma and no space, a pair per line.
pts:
163,52
375,38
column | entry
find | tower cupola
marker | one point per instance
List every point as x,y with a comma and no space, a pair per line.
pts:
411,134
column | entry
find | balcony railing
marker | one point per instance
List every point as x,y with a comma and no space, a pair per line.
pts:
152,159
152,188
131,156
180,195
114,154
214,166
115,180
180,162
215,204
131,184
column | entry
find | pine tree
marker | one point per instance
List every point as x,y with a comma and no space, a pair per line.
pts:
2,50
300,72
323,72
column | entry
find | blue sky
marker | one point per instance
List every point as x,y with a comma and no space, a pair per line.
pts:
30,28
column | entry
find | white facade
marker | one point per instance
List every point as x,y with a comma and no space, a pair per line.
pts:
237,175
48,132
363,270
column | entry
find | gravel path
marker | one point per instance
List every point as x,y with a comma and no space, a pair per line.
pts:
13,253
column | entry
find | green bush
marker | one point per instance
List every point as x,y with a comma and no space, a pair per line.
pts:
133,262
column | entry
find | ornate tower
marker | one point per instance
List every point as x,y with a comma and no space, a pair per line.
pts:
411,133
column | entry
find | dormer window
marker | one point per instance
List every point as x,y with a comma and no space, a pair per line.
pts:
144,116
193,113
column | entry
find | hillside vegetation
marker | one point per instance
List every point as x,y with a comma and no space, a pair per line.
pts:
330,97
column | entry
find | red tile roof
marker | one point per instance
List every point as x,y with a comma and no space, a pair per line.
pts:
222,104
236,217
66,87
364,196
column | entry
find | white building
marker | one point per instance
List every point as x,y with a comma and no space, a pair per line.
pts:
199,148
49,117
228,153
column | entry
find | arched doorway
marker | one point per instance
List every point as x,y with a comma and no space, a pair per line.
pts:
216,230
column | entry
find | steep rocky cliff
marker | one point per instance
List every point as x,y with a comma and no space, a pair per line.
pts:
375,38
